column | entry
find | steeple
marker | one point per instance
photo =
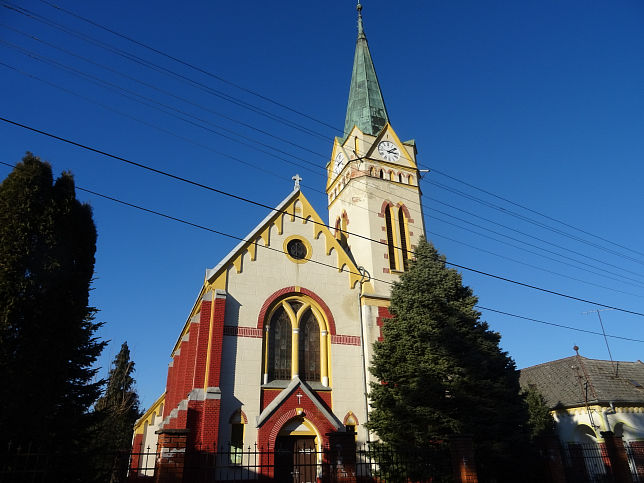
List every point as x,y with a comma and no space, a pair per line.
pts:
366,107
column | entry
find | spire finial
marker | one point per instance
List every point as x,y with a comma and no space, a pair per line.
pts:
360,28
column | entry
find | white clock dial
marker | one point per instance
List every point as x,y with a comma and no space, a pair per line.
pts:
389,151
338,163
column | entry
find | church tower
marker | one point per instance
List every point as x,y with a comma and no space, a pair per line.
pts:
372,181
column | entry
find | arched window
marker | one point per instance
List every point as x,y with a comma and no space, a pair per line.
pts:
309,357
280,341
400,177
371,171
297,329
382,174
403,238
390,238
411,179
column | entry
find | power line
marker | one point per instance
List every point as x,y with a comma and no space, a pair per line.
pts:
134,58
40,18
192,66
556,325
235,237
531,210
263,205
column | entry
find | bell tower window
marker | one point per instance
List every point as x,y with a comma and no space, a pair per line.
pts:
390,238
403,238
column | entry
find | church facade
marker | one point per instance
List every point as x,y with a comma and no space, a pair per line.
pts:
276,348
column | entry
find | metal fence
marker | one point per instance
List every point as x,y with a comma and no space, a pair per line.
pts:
589,463
366,463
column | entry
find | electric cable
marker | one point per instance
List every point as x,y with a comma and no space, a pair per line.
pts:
235,237
263,205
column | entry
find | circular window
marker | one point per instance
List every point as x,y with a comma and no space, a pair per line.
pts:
296,249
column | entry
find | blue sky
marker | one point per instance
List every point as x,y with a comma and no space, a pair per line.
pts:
540,103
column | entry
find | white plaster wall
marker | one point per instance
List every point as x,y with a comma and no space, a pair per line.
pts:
248,290
629,421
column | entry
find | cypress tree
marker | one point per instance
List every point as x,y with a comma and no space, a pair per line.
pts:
48,341
440,371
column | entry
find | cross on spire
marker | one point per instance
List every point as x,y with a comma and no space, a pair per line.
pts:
297,178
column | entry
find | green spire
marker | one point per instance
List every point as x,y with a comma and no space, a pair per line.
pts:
366,107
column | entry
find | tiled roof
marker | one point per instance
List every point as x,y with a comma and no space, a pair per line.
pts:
575,380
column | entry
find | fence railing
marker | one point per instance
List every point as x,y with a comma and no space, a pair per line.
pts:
589,462
367,463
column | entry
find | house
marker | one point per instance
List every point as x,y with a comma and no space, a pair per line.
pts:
275,349
590,396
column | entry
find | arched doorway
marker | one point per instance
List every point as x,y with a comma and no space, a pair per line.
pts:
296,455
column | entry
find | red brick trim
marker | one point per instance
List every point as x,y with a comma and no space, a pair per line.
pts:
350,414
234,331
406,212
385,205
383,315
242,416
275,297
345,339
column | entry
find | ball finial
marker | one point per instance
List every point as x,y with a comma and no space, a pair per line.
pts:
359,7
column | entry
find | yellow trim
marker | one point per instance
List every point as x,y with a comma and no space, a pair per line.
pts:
237,262
389,131
375,301
396,239
279,222
265,235
407,237
252,249
309,248
212,318
153,411
323,325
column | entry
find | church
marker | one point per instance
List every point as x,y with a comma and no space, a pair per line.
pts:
276,348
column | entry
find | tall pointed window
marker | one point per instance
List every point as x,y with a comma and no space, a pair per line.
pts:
390,238
279,366
403,238
309,357
296,342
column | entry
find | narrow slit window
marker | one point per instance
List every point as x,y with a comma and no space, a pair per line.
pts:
403,238
390,238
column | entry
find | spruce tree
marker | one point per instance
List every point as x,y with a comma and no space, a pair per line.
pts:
119,406
440,371
48,341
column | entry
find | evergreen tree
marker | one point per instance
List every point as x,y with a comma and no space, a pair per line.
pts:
119,406
117,411
441,372
540,422
48,341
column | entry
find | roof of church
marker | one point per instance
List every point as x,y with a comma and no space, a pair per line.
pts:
366,107
563,382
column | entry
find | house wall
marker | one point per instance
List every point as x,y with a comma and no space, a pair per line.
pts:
575,425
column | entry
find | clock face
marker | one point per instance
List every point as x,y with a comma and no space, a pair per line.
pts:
339,161
389,151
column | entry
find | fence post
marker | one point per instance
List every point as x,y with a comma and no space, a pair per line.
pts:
172,457
551,452
617,456
463,463
342,452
